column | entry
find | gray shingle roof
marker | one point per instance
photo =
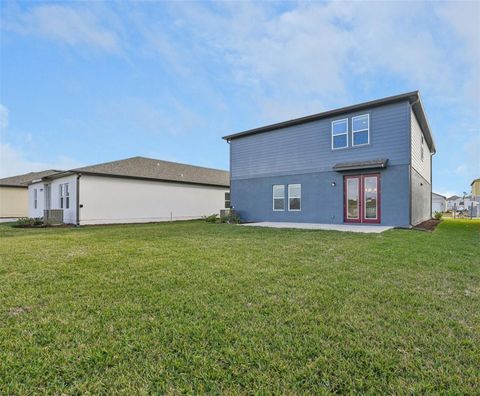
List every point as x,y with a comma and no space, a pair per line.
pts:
23,180
149,168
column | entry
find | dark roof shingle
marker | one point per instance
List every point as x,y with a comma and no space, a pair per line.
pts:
23,180
149,168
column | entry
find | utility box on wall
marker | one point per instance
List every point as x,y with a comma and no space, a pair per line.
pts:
53,216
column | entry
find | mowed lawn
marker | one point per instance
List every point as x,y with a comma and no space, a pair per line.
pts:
199,308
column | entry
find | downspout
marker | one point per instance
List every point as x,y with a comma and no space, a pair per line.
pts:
230,173
77,220
431,183
410,161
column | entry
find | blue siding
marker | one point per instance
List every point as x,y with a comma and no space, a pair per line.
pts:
306,147
321,203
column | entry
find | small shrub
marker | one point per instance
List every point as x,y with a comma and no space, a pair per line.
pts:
23,222
212,218
29,222
438,215
231,218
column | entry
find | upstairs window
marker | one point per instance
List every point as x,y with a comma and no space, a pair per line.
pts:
278,197
294,197
339,134
64,196
421,149
360,130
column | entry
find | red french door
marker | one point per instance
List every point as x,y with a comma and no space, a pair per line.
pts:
361,199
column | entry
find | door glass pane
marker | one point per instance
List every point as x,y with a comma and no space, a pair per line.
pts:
352,199
370,197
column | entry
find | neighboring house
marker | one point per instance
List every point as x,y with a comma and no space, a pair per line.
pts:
134,190
476,190
14,193
461,203
454,201
439,203
366,163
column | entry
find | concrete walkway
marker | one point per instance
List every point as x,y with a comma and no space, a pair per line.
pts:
8,220
315,226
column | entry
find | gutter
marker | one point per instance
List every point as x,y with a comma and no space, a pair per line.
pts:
77,220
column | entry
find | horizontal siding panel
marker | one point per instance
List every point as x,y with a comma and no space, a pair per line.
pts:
307,147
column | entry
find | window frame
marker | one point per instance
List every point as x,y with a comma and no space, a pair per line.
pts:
274,198
229,200
339,134
64,192
299,197
35,198
365,218
422,151
361,130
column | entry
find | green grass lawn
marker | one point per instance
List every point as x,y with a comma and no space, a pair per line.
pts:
198,308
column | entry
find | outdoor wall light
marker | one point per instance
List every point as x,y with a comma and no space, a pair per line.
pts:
333,184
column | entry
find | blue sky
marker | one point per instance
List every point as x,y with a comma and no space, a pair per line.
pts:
89,82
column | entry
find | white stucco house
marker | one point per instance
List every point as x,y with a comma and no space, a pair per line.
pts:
133,190
461,203
439,203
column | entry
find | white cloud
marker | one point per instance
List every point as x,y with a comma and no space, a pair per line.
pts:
322,52
13,162
461,169
3,117
66,24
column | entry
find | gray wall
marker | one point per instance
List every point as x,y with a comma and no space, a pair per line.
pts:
321,203
307,148
421,198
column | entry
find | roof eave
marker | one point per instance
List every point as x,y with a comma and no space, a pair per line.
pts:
410,96
419,111
74,172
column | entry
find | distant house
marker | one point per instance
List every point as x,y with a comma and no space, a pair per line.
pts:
439,203
476,190
133,190
461,203
14,193
366,163
454,201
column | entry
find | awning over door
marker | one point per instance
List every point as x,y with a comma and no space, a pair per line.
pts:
369,164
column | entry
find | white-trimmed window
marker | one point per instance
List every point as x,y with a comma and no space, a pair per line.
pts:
361,130
64,196
340,134
227,200
422,155
278,197
294,197
35,198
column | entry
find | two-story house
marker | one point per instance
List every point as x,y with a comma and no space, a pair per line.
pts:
366,163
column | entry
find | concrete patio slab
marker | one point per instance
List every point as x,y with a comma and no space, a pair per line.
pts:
376,229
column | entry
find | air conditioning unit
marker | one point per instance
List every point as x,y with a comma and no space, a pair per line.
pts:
53,216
